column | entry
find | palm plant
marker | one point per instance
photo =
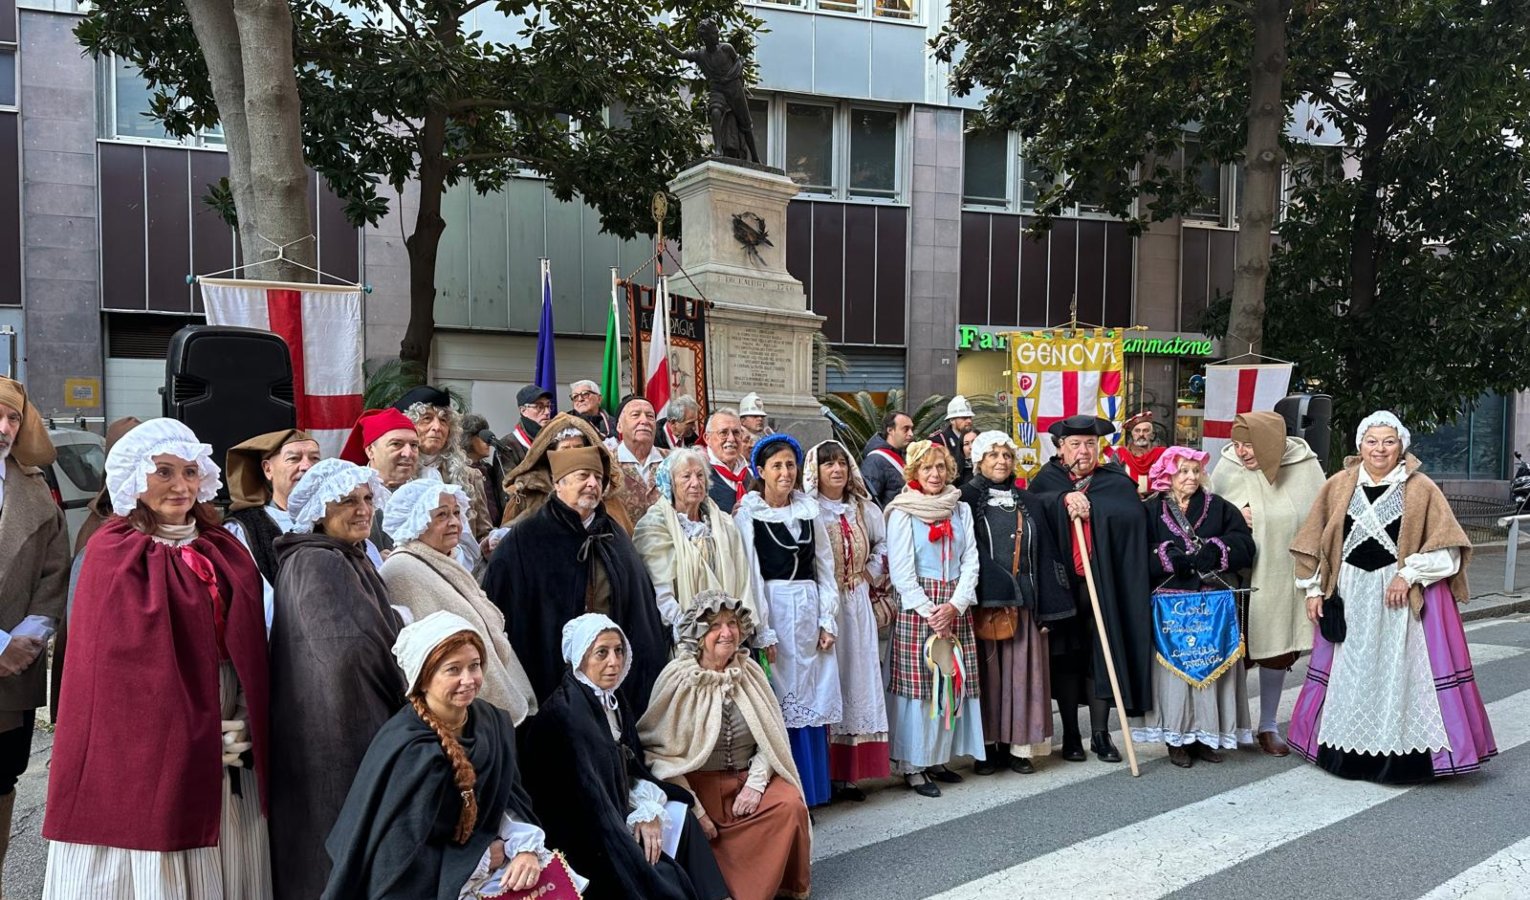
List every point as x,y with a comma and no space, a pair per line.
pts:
862,416
391,378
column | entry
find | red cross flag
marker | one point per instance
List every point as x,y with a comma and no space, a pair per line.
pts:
322,327
1231,390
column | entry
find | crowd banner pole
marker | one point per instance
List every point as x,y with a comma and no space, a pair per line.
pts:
1110,663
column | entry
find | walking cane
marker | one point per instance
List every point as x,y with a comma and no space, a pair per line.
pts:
1110,663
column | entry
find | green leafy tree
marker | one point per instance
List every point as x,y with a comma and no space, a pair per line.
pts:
394,91
1399,276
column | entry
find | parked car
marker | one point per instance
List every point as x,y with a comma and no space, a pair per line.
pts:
78,474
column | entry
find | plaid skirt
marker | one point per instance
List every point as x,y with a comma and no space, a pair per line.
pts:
910,677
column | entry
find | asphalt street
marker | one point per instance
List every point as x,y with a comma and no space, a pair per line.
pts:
1251,826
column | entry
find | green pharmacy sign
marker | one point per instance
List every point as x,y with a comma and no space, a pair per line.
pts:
971,337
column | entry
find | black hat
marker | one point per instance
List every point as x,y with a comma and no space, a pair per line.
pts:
530,394
1092,426
430,396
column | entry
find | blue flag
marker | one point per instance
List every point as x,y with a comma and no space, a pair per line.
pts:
1196,634
547,361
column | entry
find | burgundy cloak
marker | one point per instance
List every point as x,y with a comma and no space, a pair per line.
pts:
137,753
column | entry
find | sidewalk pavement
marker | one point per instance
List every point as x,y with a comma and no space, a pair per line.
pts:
1485,574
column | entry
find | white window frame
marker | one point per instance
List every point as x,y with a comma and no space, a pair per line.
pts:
865,9
839,170
1014,188
107,126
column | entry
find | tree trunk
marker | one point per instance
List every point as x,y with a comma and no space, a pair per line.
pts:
424,243
218,36
274,117
1262,164
1365,227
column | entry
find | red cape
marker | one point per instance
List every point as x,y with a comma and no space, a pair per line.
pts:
1136,466
137,754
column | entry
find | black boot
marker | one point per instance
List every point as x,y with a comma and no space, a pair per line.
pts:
987,765
1101,746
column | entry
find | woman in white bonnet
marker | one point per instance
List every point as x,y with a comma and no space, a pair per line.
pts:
426,520
333,681
1390,694
159,773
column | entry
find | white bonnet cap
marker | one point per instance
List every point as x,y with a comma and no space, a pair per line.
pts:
989,440
1383,419
417,640
131,460
329,481
408,512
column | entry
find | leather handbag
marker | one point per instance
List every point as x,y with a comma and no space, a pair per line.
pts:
1331,625
999,623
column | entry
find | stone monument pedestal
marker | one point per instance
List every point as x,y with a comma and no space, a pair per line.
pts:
733,235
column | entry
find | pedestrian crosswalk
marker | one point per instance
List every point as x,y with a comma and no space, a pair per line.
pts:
1091,831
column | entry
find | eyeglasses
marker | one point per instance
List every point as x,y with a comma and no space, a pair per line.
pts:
729,432
582,395
540,405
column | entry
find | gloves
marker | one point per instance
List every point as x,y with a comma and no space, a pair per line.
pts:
236,740
1209,558
1183,565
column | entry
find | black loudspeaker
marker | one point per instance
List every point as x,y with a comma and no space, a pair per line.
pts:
228,384
1309,416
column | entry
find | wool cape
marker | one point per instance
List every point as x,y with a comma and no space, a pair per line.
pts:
334,684
424,582
1119,559
1427,524
582,781
538,577
137,754
395,836
684,721
528,479
671,559
1277,610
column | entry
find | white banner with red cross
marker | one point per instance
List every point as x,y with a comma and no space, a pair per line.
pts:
1060,374
322,327
1233,390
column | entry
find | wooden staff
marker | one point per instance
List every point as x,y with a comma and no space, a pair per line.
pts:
1110,662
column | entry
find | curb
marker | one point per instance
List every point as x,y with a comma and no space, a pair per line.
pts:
1502,605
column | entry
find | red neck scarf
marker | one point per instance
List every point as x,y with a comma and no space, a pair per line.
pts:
738,479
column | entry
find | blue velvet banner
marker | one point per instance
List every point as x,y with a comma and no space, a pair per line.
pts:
1196,633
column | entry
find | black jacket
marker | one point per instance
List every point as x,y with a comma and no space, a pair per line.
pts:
883,479
1043,584
1220,542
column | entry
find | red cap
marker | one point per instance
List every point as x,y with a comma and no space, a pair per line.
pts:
1145,415
373,424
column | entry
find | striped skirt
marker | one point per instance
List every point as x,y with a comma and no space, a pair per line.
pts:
910,676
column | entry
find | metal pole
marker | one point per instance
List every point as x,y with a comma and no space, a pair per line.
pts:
1509,556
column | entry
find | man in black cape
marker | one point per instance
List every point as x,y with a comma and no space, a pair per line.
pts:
1074,484
568,559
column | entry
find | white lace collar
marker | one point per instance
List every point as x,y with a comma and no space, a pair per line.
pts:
801,507
1398,474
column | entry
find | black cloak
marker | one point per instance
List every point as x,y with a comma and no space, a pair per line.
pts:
583,777
395,836
1044,582
334,683
1119,559
538,577
1223,534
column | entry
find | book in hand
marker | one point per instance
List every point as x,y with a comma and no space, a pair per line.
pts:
555,883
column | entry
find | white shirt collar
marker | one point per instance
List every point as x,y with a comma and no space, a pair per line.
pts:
624,455
2,478
1399,473
280,517
712,457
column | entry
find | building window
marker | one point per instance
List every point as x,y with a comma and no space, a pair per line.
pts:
985,168
831,150
7,76
1473,447
810,146
126,100
897,10
873,153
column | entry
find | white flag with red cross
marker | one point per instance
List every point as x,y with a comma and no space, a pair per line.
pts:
1233,390
322,327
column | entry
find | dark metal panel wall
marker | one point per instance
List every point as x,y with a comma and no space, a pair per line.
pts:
1010,279
10,202
123,260
852,259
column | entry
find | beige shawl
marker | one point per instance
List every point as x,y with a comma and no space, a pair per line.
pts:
1277,611
672,559
1427,524
684,717
425,581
